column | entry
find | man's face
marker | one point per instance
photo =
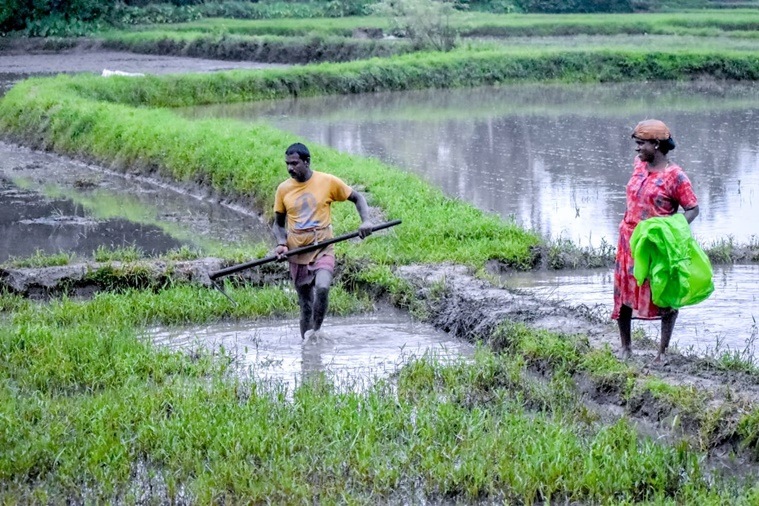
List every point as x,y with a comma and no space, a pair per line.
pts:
297,168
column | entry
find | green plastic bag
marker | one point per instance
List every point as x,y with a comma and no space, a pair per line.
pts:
665,253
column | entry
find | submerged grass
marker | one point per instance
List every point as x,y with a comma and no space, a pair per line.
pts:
87,403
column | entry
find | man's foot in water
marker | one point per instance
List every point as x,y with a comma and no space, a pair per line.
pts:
313,336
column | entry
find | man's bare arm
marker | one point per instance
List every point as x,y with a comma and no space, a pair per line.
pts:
280,232
363,211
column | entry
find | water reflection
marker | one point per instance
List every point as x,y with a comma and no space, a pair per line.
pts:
727,319
29,223
355,353
556,157
53,204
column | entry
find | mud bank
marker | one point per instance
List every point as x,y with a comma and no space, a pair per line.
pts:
86,279
22,58
708,405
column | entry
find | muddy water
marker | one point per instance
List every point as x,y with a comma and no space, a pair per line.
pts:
54,204
555,157
353,354
728,320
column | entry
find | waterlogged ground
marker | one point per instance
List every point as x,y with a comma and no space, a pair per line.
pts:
25,58
728,320
554,157
353,352
18,62
53,204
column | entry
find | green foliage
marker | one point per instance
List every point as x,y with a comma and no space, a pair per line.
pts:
126,254
427,23
46,18
41,259
153,13
566,6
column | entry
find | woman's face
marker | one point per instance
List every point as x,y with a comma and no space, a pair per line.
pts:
646,149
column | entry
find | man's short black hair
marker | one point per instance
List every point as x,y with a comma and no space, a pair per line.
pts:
299,149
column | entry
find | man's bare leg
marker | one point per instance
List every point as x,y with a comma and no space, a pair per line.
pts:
306,303
667,327
625,331
322,283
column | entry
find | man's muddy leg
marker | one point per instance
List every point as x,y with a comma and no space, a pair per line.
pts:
306,303
321,298
667,327
625,331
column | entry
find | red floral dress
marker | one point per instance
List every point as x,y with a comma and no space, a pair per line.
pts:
649,195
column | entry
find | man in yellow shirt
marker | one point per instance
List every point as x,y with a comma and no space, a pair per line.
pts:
302,217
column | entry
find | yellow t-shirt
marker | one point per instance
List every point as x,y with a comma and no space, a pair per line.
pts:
307,206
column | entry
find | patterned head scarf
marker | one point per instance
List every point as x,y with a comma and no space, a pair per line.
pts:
651,130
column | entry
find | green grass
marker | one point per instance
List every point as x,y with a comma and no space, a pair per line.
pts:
707,22
87,402
40,259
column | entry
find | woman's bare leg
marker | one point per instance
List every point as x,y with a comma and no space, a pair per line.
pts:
667,326
625,331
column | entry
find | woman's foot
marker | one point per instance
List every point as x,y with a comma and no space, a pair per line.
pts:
624,353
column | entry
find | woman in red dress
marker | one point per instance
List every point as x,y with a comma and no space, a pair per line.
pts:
657,187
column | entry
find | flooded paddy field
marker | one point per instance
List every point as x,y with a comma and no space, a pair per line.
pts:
352,353
522,151
52,204
728,320
24,61
556,158
497,429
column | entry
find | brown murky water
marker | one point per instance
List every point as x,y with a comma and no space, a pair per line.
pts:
354,353
555,157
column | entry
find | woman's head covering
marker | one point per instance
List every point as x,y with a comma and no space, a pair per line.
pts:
655,130
651,130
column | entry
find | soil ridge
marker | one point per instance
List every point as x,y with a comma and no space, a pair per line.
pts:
716,404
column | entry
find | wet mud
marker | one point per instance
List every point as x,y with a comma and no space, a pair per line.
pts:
23,58
51,203
351,352
472,308
26,57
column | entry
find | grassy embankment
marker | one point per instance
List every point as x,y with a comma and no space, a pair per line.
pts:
87,403
311,40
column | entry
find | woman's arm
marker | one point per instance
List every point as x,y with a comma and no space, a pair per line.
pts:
690,214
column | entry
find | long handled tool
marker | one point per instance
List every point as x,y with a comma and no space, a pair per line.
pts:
305,249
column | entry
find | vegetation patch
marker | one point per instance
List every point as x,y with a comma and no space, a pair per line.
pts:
78,381
266,49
